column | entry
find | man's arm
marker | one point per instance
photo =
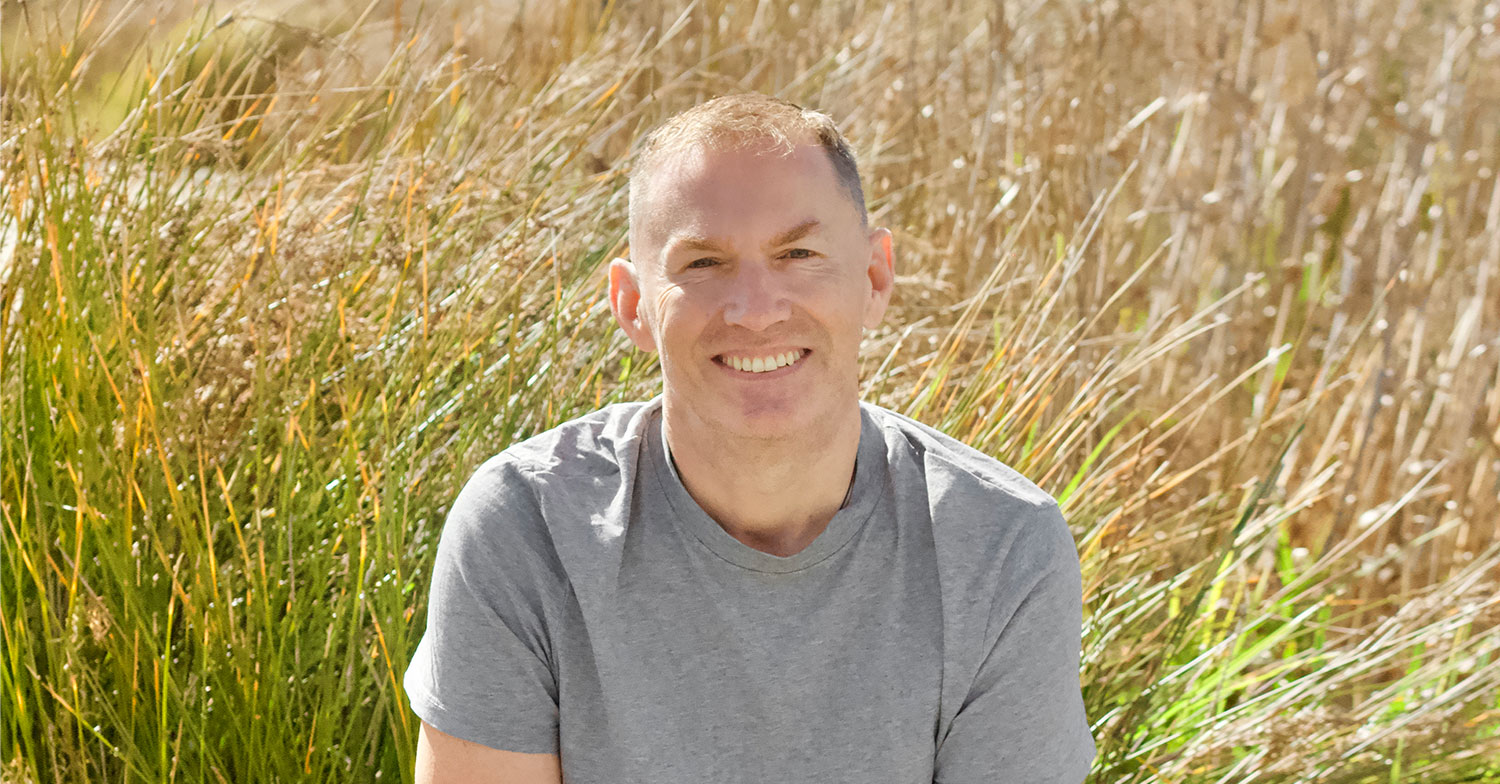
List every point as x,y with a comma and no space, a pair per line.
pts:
1024,717
481,679
444,759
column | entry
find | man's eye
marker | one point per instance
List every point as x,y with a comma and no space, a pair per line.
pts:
701,263
804,253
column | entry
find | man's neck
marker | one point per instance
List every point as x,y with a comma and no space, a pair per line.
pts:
774,496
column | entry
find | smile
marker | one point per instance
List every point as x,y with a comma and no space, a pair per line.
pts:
765,364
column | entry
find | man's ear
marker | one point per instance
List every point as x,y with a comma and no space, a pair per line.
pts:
881,270
625,303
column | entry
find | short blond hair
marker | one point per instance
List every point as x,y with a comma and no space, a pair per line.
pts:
734,122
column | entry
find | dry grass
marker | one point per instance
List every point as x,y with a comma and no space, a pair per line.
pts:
1220,275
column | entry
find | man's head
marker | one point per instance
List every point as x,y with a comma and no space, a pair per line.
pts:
748,241
736,121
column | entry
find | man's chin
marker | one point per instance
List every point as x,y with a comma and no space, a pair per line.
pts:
763,421
764,416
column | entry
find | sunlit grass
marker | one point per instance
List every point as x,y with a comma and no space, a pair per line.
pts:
1220,276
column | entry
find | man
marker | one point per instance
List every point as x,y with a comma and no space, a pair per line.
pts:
754,577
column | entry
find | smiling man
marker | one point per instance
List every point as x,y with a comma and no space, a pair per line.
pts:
756,576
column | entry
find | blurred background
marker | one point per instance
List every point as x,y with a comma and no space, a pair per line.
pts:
1221,275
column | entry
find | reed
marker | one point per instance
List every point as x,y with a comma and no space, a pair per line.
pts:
1220,275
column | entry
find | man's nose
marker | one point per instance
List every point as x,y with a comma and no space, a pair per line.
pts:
756,299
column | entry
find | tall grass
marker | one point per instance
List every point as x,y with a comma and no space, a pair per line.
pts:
1219,275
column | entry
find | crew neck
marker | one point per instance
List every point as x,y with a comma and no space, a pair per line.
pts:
848,493
864,494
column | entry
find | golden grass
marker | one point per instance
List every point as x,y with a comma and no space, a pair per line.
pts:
1220,275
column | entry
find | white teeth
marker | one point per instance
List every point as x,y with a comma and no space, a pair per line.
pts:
763,364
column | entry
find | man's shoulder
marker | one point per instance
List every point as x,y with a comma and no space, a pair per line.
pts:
945,460
594,444
552,488
993,528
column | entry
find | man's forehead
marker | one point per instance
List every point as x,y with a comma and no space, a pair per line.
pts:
693,179
692,165
709,191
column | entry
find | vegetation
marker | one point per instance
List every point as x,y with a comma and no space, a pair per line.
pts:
1222,276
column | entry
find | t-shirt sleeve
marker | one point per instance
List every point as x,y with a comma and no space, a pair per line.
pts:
1023,718
482,671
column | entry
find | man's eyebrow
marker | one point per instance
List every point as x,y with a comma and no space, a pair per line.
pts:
793,234
691,243
796,232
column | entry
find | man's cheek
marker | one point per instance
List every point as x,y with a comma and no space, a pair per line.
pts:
659,305
671,300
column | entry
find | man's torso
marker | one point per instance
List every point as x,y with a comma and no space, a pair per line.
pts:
683,655
695,657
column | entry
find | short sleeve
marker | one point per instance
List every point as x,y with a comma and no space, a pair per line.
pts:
482,671
1023,718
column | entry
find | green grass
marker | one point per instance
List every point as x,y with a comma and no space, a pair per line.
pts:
271,287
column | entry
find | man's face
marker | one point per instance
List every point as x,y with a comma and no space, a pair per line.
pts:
743,262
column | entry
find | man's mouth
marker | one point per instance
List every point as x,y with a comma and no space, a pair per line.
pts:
764,363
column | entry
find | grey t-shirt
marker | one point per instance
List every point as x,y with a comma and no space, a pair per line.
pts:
583,604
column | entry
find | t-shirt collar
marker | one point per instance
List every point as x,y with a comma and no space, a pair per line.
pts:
859,502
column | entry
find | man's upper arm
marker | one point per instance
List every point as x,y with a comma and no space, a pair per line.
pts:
444,759
1024,718
482,671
